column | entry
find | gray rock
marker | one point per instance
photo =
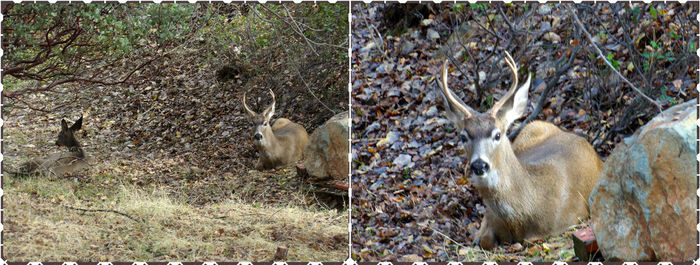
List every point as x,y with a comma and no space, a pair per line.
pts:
407,47
326,156
403,160
544,9
643,207
432,34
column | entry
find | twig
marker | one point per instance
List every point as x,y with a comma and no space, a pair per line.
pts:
442,234
309,89
298,30
104,210
600,54
380,42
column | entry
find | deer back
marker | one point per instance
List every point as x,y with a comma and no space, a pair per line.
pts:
562,169
292,139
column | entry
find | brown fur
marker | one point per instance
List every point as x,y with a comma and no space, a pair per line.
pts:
547,175
542,180
287,147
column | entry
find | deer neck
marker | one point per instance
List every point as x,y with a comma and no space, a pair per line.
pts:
77,151
509,196
271,147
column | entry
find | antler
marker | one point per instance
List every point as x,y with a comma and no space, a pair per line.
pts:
450,95
514,69
273,98
250,112
271,109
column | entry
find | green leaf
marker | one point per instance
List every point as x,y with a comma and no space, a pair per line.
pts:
653,12
654,45
674,35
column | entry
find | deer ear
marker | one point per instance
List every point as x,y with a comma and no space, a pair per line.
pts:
77,124
514,105
269,112
64,125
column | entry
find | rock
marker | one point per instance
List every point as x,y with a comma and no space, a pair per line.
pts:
407,47
544,9
326,156
389,139
403,160
517,247
432,34
551,36
643,207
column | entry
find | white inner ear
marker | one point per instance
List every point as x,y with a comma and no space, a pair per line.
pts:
519,102
270,112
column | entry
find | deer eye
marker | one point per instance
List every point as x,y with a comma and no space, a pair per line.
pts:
497,136
464,136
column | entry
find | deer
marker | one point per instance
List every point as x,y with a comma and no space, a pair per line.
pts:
536,186
60,163
280,143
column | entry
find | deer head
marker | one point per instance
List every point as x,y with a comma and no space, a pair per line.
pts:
484,134
66,137
263,131
278,144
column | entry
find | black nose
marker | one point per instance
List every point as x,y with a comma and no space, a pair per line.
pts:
479,167
258,136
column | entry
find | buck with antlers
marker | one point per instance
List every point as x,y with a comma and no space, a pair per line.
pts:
60,163
536,186
279,144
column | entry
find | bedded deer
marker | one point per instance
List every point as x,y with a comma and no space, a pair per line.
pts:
279,144
537,185
60,163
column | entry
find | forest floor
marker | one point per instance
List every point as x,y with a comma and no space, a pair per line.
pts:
172,173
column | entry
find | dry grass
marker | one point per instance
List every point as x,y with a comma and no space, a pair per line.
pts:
39,226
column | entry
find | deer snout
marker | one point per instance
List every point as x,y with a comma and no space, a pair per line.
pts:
258,136
479,167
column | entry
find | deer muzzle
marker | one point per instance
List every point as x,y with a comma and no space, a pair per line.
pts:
479,167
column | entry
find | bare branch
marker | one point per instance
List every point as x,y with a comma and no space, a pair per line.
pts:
600,54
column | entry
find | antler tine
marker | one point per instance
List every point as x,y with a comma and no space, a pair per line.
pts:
273,97
450,95
250,112
514,68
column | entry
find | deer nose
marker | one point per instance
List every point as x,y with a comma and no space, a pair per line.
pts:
258,136
479,167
